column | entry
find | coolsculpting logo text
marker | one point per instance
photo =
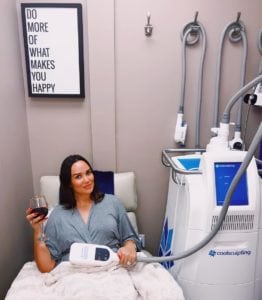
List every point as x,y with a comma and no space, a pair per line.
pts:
214,253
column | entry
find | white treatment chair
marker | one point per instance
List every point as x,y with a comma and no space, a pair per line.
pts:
143,282
124,186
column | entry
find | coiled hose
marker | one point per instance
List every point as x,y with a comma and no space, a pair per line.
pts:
194,30
236,33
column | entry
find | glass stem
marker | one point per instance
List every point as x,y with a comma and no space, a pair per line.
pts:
42,237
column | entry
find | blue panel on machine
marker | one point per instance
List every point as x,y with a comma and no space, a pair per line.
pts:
190,163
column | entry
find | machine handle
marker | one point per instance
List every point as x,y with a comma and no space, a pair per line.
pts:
168,162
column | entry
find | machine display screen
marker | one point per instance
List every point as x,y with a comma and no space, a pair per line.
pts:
224,174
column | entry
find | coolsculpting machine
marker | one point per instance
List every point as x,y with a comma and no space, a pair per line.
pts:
225,268
213,226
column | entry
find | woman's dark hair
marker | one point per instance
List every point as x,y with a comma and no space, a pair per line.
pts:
66,193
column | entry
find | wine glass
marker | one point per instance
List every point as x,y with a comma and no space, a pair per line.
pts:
39,206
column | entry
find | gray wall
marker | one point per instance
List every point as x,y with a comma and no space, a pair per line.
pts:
16,186
129,113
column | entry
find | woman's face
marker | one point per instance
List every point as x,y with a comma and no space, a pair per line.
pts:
82,178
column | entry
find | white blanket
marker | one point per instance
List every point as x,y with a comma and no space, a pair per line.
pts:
143,281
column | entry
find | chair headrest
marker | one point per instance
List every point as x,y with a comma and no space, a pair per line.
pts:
124,185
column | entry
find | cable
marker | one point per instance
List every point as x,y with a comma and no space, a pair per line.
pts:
242,91
259,41
193,30
249,155
236,32
200,88
245,126
242,79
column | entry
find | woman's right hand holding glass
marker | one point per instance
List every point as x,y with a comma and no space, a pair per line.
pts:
42,255
36,214
35,220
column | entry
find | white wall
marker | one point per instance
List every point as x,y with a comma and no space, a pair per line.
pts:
129,113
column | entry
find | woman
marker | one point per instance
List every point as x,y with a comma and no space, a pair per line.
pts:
84,215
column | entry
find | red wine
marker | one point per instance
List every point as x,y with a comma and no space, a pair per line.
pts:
40,211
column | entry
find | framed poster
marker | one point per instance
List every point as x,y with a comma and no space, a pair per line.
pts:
53,41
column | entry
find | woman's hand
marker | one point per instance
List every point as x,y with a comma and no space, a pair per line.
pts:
127,254
42,255
35,220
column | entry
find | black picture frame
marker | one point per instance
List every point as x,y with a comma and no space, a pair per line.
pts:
49,73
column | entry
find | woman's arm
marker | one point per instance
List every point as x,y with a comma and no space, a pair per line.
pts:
129,240
42,255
